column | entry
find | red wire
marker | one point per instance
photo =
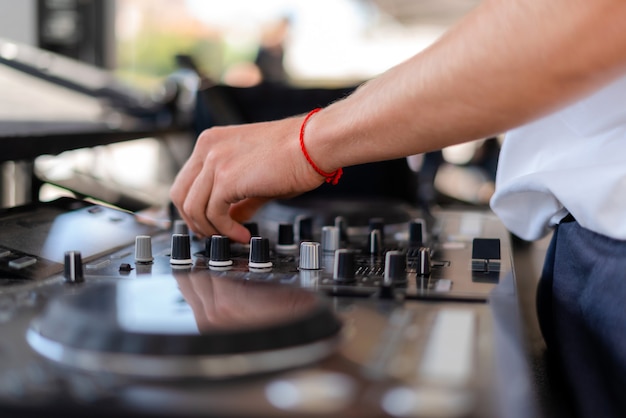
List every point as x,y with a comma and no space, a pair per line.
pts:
333,177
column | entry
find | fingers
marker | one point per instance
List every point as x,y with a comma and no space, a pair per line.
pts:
205,211
196,202
228,176
244,210
218,212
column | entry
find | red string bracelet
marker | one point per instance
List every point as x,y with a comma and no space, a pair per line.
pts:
333,177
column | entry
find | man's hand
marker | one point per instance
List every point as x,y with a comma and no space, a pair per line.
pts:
234,170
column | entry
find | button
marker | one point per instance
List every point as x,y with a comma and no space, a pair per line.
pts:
98,264
22,262
125,268
486,255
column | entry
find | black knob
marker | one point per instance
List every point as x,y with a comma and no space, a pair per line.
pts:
219,255
344,268
259,253
305,228
376,223
207,247
253,227
341,224
286,241
180,227
181,250
73,267
395,268
417,233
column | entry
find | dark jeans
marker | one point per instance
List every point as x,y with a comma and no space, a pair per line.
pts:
581,303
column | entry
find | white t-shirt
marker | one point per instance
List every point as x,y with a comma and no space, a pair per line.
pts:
571,161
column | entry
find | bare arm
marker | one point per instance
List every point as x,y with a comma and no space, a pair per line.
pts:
506,63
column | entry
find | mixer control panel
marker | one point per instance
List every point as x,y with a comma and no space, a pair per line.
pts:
343,317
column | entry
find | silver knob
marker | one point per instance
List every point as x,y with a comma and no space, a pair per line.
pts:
143,249
330,238
310,255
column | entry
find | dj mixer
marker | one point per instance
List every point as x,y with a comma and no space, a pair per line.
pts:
348,308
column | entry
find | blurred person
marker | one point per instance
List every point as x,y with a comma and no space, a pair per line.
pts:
271,52
550,74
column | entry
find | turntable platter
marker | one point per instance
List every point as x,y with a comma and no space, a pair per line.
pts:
207,326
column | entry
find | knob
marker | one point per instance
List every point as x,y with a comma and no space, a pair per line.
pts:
423,261
143,249
395,268
309,255
207,247
375,242
181,250
376,224
341,224
286,243
417,233
259,253
330,238
253,227
305,228
344,267
73,267
180,227
219,255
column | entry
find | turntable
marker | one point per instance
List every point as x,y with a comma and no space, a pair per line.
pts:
329,311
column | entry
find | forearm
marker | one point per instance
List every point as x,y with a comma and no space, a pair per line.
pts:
507,63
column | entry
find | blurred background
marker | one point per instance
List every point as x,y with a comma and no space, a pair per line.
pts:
160,53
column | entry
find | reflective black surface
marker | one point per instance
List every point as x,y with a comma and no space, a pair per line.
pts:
190,314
